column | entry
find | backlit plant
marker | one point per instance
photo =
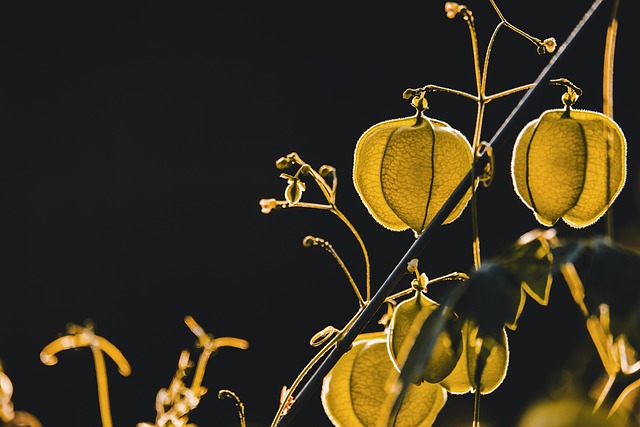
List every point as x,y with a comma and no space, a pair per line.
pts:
416,174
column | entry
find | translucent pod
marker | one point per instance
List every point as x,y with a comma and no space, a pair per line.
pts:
569,164
491,355
355,391
408,318
405,170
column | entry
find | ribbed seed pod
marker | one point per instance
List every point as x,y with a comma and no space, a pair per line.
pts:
409,317
569,164
355,392
405,170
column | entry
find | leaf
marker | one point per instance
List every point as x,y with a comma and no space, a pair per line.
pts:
493,296
612,276
530,262
356,389
405,170
569,252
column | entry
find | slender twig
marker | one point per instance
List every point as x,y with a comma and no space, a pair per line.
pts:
607,95
83,336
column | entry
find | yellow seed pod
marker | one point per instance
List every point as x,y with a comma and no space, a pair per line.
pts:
461,379
408,318
569,164
355,392
405,170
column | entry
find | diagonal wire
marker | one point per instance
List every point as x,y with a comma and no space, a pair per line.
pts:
313,383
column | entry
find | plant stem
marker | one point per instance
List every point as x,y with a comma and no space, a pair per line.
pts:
343,345
103,387
607,93
476,408
289,395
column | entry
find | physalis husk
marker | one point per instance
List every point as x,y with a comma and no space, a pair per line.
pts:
408,317
405,170
491,354
354,393
569,164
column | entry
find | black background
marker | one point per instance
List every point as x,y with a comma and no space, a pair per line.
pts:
138,137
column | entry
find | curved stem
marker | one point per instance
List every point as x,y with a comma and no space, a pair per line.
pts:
209,346
329,194
474,48
323,351
239,405
365,254
533,40
481,78
317,241
436,88
607,93
80,336
103,387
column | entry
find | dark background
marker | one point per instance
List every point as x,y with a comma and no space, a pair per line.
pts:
137,139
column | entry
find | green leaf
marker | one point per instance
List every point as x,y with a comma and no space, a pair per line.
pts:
612,276
567,252
493,296
530,262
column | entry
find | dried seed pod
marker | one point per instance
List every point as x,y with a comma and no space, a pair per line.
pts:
491,355
405,170
356,389
409,316
569,164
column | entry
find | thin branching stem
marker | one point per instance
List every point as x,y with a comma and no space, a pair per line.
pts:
378,299
365,254
436,88
490,98
329,193
447,277
308,205
316,241
286,400
533,40
480,78
607,94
